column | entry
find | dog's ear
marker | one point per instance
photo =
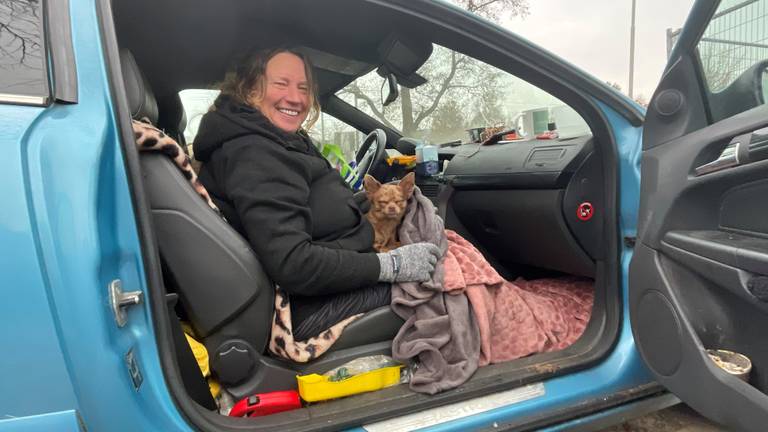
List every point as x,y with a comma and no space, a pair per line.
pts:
407,183
371,185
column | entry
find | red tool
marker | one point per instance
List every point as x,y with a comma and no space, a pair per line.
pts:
266,403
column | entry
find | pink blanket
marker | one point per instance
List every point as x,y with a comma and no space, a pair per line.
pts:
518,318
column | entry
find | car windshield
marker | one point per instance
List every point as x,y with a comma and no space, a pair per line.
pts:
461,93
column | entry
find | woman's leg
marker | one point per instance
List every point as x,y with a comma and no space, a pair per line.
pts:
312,315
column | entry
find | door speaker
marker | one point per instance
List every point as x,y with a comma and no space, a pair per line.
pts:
669,102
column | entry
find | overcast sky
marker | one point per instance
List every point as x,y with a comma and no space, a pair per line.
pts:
594,35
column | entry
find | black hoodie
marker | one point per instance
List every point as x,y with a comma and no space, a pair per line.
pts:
278,191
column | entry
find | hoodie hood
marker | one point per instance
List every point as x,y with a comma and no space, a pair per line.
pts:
229,120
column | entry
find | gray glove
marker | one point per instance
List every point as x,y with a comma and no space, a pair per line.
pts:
413,262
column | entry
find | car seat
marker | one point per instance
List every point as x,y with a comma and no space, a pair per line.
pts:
225,293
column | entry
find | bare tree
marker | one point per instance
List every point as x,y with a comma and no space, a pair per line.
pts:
721,64
448,121
495,10
20,43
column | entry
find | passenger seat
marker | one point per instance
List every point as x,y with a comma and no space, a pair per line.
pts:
222,287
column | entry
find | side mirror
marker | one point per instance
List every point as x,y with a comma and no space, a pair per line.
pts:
392,90
745,92
764,84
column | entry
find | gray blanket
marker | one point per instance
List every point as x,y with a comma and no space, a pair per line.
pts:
439,328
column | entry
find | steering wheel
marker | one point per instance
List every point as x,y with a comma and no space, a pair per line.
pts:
371,152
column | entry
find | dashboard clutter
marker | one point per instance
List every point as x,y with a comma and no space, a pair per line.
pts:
501,134
427,160
475,134
532,122
266,403
404,160
551,132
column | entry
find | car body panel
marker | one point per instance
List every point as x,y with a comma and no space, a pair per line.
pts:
74,230
28,322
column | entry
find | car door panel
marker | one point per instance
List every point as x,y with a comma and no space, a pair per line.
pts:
696,279
698,253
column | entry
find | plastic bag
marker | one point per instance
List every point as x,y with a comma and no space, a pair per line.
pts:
347,170
358,366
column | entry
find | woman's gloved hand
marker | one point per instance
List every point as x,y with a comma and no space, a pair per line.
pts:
413,262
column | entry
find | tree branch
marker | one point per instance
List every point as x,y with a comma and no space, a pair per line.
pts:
446,84
355,91
479,7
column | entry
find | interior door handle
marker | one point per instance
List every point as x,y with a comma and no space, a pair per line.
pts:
744,149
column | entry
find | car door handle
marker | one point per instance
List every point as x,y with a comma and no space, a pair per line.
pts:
735,262
744,149
740,251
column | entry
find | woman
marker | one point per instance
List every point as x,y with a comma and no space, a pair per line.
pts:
277,190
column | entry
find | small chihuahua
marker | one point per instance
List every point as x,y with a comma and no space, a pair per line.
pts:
388,202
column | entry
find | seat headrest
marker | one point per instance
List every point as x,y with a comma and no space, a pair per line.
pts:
141,100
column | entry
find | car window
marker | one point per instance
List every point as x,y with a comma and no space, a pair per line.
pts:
331,131
22,53
196,103
463,94
735,41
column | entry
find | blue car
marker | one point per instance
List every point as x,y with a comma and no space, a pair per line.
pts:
108,254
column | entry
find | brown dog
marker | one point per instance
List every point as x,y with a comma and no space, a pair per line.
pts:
388,202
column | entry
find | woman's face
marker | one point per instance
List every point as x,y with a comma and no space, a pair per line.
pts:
286,92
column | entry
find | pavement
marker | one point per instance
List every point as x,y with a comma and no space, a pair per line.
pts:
679,418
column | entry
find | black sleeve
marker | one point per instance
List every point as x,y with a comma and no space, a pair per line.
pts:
270,189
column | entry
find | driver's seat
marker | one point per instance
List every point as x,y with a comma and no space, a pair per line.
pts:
225,293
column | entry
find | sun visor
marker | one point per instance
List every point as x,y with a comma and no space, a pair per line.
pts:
403,56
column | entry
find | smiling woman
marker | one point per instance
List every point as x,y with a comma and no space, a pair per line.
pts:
277,190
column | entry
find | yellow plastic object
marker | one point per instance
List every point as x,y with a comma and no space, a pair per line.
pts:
314,387
402,160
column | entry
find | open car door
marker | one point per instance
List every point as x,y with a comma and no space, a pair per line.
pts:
699,276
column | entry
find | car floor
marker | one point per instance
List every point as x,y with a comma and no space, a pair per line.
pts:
678,418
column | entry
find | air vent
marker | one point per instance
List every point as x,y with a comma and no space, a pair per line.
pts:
430,190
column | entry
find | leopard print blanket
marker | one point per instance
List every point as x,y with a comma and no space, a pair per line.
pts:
282,344
150,138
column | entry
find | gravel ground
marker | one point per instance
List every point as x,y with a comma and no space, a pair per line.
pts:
679,418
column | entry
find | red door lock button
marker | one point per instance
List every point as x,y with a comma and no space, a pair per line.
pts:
585,211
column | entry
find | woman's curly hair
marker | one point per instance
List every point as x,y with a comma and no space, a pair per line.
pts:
247,83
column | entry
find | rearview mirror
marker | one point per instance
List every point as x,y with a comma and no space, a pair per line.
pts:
392,91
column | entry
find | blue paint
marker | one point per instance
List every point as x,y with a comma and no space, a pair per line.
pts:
69,224
612,414
28,325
